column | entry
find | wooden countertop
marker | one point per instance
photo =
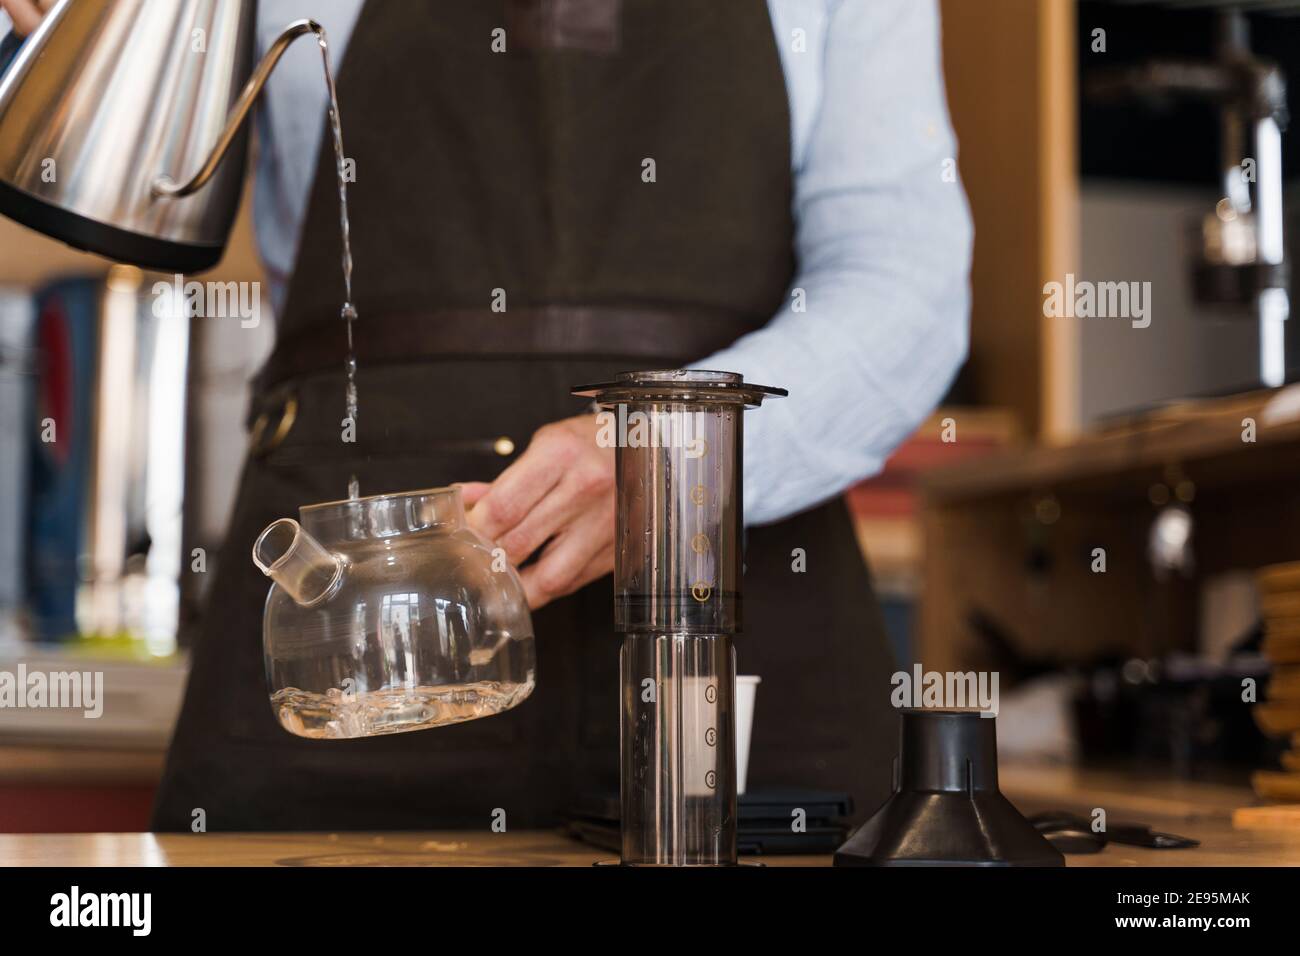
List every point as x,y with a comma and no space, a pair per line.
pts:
1198,810
436,848
1221,846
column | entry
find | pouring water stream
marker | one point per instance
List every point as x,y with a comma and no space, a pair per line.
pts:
349,311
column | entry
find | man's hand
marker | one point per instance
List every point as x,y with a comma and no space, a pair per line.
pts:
559,497
26,14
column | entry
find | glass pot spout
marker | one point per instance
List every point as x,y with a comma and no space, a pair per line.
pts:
297,562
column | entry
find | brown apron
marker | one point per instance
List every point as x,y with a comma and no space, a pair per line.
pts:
525,171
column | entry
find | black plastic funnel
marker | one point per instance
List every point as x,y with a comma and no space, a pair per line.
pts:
946,809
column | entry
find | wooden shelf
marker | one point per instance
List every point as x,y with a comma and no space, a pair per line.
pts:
990,550
81,766
1207,435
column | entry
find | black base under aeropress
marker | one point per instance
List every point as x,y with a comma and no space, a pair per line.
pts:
946,809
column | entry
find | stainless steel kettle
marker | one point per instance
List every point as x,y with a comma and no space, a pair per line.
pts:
116,115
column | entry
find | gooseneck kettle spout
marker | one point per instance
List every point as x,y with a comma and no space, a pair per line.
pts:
164,185
109,104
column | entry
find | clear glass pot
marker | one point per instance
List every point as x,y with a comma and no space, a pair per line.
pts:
389,614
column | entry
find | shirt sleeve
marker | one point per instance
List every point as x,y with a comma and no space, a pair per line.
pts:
876,323
10,42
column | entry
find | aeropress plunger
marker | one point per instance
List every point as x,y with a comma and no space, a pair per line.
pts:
946,809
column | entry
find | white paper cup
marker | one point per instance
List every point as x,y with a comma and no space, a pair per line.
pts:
746,690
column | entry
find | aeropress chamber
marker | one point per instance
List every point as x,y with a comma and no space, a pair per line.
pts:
677,607
946,809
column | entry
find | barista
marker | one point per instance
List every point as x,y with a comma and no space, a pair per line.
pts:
751,186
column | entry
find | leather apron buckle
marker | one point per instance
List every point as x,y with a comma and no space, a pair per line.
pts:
262,439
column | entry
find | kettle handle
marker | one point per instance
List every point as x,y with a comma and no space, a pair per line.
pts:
165,186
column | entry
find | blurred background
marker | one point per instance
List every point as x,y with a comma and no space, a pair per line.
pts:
1086,514
109,535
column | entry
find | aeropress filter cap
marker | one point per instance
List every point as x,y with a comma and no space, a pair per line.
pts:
946,809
